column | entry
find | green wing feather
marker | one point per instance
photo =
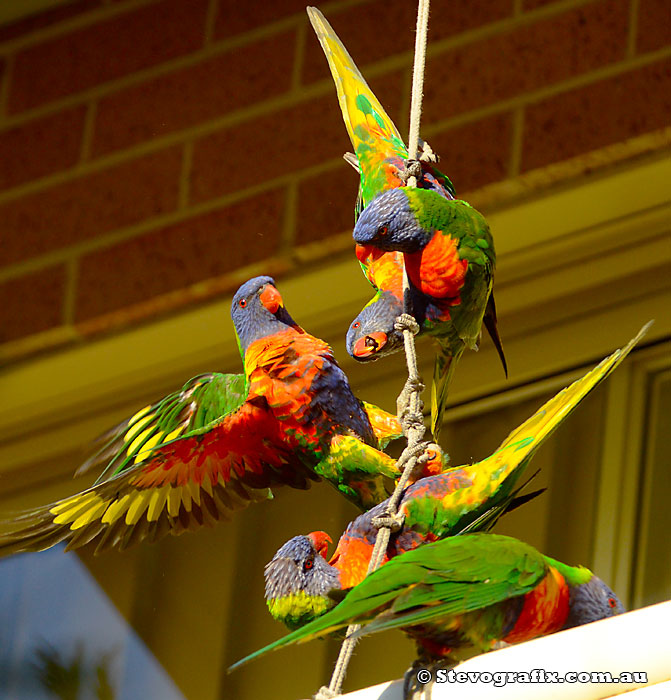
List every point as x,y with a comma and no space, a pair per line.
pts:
475,244
201,401
443,506
448,577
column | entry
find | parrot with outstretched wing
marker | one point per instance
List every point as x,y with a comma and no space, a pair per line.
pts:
225,440
458,500
463,592
453,275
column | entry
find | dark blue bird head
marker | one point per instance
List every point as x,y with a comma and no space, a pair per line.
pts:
592,601
258,311
389,223
299,579
372,333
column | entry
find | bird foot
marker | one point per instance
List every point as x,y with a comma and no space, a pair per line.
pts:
415,687
413,168
419,679
406,322
394,521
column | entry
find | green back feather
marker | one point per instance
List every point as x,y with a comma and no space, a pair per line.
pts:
445,578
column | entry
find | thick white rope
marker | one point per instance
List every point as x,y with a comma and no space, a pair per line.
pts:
409,404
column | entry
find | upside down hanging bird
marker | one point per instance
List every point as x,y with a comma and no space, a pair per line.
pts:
465,592
224,440
447,245
461,499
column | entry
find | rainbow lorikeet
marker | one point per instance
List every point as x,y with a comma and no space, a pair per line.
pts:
224,440
454,274
464,592
458,500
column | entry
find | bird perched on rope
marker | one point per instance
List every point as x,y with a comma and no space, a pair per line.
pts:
464,592
224,440
461,499
446,244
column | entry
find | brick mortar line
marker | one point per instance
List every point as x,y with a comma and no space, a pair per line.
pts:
406,93
632,35
4,87
651,146
490,197
143,148
137,77
170,302
314,89
85,19
300,42
119,235
295,98
185,176
517,139
87,132
70,295
292,22
210,20
577,81
288,233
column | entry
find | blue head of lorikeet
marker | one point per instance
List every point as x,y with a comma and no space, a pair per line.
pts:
464,592
257,311
372,334
298,580
390,223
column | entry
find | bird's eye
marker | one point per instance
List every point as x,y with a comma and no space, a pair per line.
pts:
382,231
242,303
308,564
356,324
612,602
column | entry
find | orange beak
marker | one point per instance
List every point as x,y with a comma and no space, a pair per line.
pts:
321,542
271,298
367,254
370,344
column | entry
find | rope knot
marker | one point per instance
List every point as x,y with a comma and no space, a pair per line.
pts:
325,693
406,322
412,169
412,420
393,521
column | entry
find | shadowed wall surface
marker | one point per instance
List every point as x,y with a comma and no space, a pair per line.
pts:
154,151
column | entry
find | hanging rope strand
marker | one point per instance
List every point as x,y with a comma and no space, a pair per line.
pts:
409,404
418,78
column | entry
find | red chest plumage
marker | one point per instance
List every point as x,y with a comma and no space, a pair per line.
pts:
437,270
545,609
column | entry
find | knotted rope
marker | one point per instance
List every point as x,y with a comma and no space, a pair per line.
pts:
409,404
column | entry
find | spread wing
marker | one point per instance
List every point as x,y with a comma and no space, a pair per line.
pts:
170,472
202,400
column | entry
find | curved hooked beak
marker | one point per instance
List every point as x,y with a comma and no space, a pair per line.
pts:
364,252
320,541
370,344
271,299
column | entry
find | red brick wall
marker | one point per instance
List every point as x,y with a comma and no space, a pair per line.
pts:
150,149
